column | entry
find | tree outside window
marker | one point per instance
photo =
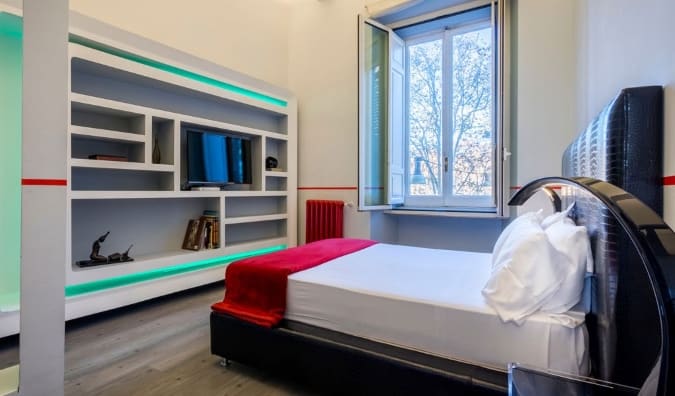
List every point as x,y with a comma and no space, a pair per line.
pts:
468,137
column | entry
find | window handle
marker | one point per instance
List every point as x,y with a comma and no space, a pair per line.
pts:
445,163
506,153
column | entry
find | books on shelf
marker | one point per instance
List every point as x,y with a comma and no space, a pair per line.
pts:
191,239
203,233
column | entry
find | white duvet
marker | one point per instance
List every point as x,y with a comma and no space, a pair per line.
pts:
430,300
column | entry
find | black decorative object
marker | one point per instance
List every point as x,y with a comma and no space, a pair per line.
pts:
271,163
95,258
156,154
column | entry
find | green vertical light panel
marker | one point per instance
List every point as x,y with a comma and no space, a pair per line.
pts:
10,159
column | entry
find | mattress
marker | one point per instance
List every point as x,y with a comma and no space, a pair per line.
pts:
430,300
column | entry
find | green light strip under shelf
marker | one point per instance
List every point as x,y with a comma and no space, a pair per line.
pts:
125,280
178,71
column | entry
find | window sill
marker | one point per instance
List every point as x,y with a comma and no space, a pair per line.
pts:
443,212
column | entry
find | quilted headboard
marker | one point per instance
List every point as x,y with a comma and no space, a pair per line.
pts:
623,146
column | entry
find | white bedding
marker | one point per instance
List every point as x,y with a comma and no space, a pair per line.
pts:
430,300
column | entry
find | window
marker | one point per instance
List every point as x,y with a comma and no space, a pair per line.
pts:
444,136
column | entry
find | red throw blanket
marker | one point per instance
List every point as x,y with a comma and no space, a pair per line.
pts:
256,286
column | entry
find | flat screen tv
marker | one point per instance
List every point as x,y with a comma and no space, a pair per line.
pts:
216,159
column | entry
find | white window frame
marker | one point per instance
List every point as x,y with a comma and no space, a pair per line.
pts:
394,183
461,206
446,199
416,200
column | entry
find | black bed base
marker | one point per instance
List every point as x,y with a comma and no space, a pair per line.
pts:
335,363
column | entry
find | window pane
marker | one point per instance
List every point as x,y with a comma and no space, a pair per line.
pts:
375,85
424,118
472,97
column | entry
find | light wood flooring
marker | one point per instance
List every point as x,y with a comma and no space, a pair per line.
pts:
160,347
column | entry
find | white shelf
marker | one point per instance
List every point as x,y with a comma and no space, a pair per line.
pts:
188,119
134,166
255,193
205,122
140,263
76,275
259,244
254,219
105,134
122,107
75,195
276,174
106,103
124,65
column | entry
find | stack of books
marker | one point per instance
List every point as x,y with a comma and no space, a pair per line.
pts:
203,233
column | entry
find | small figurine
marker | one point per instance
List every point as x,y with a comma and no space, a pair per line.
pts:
95,258
271,163
117,257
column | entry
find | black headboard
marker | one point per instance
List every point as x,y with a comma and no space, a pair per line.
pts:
623,146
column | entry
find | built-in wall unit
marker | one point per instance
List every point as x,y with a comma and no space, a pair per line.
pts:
157,138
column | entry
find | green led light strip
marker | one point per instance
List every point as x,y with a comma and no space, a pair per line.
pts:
125,280
11,25
11,58
178,71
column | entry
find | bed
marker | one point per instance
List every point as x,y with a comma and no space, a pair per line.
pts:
352,324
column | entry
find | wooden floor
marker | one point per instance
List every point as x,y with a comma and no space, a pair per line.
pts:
159,347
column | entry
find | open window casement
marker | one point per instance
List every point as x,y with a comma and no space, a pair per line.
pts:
381,116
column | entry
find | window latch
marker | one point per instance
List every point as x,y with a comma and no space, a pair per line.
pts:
445,163
506,154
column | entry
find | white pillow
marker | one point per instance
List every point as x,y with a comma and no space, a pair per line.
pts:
509,230
556,217
572,243
526,270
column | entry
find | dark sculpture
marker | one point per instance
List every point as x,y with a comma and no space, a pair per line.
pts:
95,258
271,163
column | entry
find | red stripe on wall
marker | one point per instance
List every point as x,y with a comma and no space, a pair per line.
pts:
44,182
327,188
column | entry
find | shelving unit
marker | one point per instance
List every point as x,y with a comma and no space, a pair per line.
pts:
139,112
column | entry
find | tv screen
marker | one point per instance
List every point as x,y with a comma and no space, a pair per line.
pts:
239,154
217,159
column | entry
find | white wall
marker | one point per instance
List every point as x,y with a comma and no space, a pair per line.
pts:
629,43
323,74
546,73
249,36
